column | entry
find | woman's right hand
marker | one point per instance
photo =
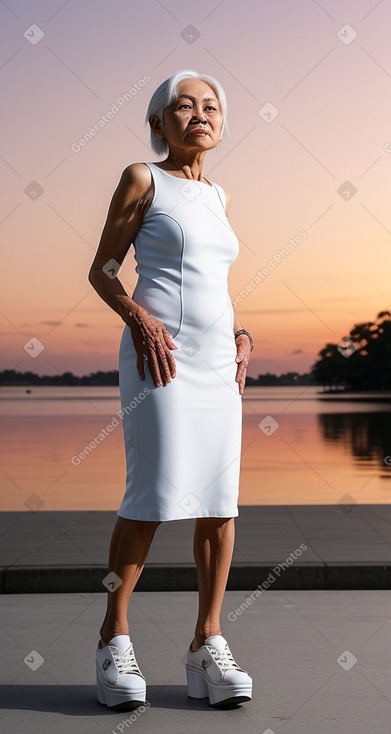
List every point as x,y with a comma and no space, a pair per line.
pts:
153,344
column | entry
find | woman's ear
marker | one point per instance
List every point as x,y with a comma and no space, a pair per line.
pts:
156,126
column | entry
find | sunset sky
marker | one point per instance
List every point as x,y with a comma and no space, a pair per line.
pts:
322,68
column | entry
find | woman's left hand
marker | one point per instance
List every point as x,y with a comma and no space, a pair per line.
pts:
243,349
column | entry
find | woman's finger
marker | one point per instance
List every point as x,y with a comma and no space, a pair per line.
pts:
163,363
168,340
154,368
241,376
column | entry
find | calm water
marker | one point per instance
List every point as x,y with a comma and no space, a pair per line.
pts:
322,452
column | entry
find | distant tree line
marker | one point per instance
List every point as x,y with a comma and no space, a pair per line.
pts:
11,377
288,378
28,379
361,361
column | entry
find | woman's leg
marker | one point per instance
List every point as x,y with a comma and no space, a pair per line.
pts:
129,548
214,539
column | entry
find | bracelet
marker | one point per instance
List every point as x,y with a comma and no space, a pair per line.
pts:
243,331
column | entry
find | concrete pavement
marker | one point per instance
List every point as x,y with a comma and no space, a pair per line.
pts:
346,546
320,662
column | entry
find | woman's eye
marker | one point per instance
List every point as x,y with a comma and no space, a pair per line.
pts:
184,106
210,107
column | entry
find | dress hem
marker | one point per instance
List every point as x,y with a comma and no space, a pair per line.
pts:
136,516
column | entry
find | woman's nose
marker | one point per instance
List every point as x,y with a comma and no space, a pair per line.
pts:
198,116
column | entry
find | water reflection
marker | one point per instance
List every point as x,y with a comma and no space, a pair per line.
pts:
313,458
367,435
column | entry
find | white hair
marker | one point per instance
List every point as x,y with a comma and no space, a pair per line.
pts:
167,92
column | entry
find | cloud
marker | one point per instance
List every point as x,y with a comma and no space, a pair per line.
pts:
51,323
333,299
296,351
80,325
97,345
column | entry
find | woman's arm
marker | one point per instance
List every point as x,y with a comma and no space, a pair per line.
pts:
123,221
237,324
243,344
243,349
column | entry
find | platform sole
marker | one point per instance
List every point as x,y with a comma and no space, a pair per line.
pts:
219,695
120,699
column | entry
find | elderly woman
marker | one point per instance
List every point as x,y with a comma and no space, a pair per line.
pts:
182,367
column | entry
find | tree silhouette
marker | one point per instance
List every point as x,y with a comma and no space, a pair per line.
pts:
364,363
11,377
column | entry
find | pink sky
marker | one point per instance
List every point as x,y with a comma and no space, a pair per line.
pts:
324,66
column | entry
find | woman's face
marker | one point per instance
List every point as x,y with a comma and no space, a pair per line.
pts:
194,120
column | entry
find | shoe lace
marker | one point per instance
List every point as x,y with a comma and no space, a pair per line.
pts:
126,662
223,658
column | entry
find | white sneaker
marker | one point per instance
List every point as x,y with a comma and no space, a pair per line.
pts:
120,682
211,671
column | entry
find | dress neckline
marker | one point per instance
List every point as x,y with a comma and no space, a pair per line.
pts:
210,184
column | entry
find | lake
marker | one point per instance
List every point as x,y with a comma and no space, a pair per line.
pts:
310,448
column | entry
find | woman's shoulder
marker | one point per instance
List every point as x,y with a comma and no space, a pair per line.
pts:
227,199
224,196
137,176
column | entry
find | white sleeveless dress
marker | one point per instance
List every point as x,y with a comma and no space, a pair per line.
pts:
183,440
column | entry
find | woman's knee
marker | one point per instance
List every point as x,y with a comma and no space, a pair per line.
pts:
143,528
214,521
